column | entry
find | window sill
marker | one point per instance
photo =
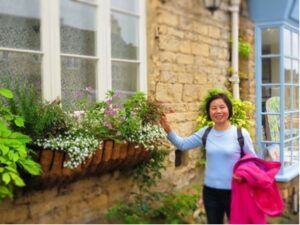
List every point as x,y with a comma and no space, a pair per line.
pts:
289,173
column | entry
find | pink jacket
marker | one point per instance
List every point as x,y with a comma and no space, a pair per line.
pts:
257,195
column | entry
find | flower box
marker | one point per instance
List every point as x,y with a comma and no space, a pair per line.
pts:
108,157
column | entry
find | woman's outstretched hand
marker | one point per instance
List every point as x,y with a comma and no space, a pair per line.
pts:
165,123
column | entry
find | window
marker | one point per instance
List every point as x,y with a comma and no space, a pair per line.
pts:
20,41
70,47
278,96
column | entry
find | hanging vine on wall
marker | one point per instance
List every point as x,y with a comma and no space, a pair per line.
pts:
245,47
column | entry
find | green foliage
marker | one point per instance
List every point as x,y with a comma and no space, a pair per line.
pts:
243,111
134,121
41,119
156,208
14,157
245,48
138,105
146,175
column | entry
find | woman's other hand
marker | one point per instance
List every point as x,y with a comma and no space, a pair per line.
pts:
237,178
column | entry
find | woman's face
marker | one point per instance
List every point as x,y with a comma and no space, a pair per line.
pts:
218,111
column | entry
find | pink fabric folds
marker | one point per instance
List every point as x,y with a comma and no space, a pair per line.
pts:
258,195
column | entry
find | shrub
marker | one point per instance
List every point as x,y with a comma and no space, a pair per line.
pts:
14,155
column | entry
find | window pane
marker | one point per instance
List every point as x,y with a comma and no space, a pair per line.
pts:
270,99
78,28
287,42
295,125
295,44
124,76
288,98
291,152
20,66
271,127
296,98
272,152
124,36
20,24
78,81
296,71
127,5
270,41
287,70
270,70
288,126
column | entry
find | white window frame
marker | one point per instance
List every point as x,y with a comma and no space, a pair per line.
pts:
51,53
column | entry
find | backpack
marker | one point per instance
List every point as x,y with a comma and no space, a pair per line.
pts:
239,134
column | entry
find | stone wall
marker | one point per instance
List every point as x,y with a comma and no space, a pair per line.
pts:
287,191
188,54
246,65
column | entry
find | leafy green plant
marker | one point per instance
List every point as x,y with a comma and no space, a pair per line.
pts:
14,155
146,175
245,48
156,208
41,119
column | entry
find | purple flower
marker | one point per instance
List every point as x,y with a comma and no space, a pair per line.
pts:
110,112
118,95
109,101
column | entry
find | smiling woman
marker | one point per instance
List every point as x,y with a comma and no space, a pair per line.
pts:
222,152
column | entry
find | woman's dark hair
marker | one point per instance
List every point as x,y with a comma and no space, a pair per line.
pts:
222,96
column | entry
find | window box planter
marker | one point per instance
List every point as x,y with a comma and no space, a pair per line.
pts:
108,157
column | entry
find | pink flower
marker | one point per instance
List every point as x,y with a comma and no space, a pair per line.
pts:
78,94
110,112
109,101
89,89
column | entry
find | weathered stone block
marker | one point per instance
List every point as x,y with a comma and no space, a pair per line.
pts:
168,92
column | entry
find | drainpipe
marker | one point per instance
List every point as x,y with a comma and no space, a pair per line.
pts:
234,79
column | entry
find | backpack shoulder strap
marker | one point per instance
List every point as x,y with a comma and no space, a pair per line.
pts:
241,140
204,137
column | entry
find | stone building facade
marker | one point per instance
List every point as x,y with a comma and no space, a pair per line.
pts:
188,52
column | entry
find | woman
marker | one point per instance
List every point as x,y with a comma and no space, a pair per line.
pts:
222,152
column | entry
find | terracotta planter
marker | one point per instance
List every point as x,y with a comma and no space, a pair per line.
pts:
105,164
119,155
108,157
45,159
56,166
96,160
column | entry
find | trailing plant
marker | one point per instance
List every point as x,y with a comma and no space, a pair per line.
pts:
14,155
245,48
146,175
79,146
